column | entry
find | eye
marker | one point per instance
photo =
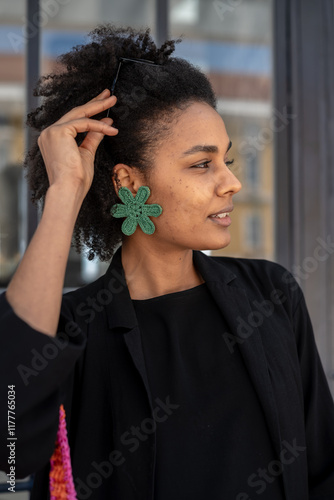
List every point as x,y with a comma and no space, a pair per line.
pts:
202,165
205,164
228,163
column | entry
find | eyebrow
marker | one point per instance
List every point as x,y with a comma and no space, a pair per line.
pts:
204,149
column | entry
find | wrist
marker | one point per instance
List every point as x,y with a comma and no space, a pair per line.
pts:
64,199
74,191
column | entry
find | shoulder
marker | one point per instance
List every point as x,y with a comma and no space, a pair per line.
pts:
72,300
261,276
254,269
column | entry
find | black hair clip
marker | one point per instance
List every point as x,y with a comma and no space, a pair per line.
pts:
127,59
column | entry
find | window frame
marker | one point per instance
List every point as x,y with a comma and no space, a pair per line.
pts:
303,157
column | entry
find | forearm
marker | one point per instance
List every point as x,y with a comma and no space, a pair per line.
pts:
35,291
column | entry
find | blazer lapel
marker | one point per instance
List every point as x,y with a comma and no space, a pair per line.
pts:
235,307
133,341
125,336
121,314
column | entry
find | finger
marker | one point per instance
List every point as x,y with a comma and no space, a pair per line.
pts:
103,95
91,108
89,125
93,139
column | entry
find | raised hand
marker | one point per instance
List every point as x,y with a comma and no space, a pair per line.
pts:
67,163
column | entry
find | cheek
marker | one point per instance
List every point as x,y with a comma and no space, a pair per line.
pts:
183,203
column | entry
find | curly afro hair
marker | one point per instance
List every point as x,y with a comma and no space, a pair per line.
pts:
148,98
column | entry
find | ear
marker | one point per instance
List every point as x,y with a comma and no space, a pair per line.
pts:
125,176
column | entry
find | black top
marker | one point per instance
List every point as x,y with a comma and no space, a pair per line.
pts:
215,444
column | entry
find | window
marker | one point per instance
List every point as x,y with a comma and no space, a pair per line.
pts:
252,232
252,174
12,107
232,43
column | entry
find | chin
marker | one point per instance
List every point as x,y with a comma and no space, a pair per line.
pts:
213,245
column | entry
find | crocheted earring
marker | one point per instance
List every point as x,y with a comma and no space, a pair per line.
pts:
135,210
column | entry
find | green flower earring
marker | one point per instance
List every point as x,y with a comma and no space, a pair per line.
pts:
135,210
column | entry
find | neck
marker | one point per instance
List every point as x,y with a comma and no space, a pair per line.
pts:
152,271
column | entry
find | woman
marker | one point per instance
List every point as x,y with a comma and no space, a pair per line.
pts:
181,375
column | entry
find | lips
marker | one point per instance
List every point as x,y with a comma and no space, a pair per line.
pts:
220,216
222,213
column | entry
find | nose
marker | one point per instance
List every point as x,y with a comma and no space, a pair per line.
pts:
228,183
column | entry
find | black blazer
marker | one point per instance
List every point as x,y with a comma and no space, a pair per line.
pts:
95,366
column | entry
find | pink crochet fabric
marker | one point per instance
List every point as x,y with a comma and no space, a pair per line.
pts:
60,477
